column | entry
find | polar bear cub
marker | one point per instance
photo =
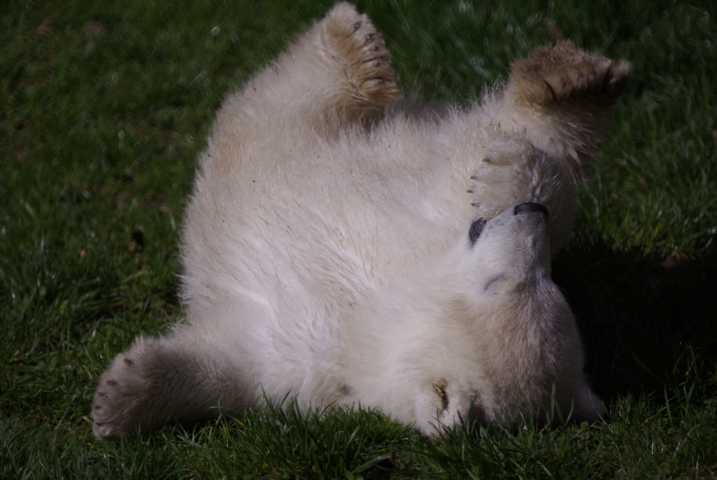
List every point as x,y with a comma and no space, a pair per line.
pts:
344,256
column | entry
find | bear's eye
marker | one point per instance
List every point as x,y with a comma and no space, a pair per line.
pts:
475,230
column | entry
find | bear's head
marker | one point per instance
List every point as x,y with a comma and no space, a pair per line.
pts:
482,331
504,345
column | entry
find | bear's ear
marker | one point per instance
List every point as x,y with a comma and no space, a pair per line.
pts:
500,283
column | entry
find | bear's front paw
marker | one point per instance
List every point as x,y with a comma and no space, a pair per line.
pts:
502,178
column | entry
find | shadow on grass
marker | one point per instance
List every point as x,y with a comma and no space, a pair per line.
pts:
646,324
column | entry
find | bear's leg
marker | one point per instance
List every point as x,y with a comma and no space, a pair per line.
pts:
174,377
337,73
560,97
587,406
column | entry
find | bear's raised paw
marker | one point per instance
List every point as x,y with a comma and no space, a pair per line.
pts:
353,41
563,72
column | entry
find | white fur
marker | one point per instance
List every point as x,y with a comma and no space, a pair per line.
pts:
327,258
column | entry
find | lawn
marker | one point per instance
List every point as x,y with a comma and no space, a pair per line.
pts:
105,106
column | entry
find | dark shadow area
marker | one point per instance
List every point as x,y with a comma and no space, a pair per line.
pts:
645,323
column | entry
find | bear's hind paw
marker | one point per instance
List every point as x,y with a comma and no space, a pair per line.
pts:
365,62
563,73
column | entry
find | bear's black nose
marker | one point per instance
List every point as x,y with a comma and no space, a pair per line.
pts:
530,207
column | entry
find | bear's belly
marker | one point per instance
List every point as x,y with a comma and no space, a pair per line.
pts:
323,226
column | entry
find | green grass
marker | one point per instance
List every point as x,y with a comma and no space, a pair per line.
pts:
104,107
